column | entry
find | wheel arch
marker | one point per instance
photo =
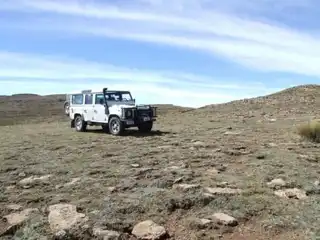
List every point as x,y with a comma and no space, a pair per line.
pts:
111,116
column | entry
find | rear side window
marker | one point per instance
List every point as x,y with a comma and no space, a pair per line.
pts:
88,99
77,99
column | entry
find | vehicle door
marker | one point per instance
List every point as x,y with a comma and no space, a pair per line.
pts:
76,106
88,107
99,114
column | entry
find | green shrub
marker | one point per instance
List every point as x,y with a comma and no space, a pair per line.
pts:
310,130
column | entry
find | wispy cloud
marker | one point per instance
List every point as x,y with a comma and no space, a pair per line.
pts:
198,25
53,74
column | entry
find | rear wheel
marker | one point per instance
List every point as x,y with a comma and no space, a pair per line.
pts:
145,127
66,109
79,124
116,127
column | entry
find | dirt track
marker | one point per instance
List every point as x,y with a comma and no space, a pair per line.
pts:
186,170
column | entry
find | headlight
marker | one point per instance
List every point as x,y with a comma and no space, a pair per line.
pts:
128,113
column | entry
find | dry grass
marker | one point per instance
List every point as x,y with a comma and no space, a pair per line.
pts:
185,147
310,130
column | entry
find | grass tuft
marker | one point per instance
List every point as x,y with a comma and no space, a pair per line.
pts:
310,130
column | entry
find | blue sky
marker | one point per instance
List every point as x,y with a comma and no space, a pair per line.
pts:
184,52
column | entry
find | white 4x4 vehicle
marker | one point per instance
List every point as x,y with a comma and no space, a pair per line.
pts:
113,110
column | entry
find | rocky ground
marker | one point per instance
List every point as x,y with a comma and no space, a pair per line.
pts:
230,171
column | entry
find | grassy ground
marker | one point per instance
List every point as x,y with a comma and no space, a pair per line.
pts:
185,148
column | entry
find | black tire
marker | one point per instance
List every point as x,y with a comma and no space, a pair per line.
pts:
145,127
66,109
116,127
79,124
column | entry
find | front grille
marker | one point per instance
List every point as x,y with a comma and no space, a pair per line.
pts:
141,113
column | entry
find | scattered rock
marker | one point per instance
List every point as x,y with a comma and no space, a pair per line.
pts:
135,165
222,184
22,174
316,183
106,234
177,180
222,218
213,171
261,156
309,158
9,188
219,190
111,189
272,145
199,223
231,133
185,187
174,168
61,234
14,220
291,193
277,182
149,230
14,207
165,147
64,217
199,144
73,181
33,180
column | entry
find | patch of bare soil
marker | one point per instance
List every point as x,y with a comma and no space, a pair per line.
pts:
228,171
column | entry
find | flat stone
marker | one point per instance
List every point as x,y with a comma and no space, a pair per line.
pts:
14,207
148,230
231,133
212,171
106,234
72,182
199,143
185,187
19,217
291,193
225,219
277,182
16,219
27,182
64,216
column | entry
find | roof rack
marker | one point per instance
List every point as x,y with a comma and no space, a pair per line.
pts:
86,91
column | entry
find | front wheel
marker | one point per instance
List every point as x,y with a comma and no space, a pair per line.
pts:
145,127
80,124
116,127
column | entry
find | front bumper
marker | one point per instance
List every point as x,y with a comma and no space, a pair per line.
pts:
135,115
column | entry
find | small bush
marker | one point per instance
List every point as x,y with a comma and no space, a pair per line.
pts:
310,130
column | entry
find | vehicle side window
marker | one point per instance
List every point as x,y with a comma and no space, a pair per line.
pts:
77,99
88,99
99,99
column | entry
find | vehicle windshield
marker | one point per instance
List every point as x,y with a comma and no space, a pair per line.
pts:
118,96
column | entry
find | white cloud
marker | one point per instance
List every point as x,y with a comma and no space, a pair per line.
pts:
62,75
213,28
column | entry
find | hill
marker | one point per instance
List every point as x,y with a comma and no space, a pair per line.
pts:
22,108
300,100
226,171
